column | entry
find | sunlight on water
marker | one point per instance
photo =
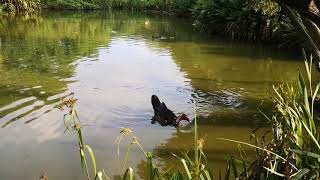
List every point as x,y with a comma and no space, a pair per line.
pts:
113,66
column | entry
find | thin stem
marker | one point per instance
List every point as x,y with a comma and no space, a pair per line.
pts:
196,151
86,166
126,157
140,146
84,156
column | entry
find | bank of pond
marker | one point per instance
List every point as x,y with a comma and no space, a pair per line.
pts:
246,21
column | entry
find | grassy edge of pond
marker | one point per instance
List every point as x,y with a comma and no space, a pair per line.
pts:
292,153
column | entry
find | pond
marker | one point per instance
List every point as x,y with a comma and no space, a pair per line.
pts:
113,66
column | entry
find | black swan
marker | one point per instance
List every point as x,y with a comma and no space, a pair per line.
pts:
165,116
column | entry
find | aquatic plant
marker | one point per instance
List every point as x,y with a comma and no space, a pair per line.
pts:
72,123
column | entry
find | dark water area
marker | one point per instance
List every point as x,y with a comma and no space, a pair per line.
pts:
113,66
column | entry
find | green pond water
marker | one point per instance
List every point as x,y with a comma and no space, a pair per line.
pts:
113,66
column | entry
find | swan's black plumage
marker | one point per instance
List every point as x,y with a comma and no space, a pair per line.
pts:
163,115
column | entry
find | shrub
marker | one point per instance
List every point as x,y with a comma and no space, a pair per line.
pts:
234,18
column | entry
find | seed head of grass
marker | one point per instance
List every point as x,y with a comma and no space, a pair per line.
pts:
126,131
76,126
200,143
123,132
67,102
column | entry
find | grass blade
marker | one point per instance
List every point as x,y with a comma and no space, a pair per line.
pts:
149,166
99,176
274,172
207,175
234,167
92,158
186,168
300,174
263,149
311,135
310,154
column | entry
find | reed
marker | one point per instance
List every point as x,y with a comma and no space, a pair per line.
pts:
293,151
72,123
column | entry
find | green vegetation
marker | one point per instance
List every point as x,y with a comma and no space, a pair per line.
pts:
70,4
19,6
292,151
193,167
179,7
73,123
294,132
237,19
288,23
294,24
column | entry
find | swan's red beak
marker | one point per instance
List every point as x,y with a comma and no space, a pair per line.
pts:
183,117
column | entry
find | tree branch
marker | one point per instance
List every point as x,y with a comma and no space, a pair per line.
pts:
296,21
308,8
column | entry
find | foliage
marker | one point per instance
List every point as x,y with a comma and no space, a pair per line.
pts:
180,7
19,6
239,19
235,18
70,4
294,150
183,7
267,7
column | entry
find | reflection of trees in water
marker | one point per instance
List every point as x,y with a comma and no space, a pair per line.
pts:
38,52
231,82
230,108
216,151
37,58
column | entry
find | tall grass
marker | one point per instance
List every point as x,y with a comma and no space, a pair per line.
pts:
72,123
294,149
194,165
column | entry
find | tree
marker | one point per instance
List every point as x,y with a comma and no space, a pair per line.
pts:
305,15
